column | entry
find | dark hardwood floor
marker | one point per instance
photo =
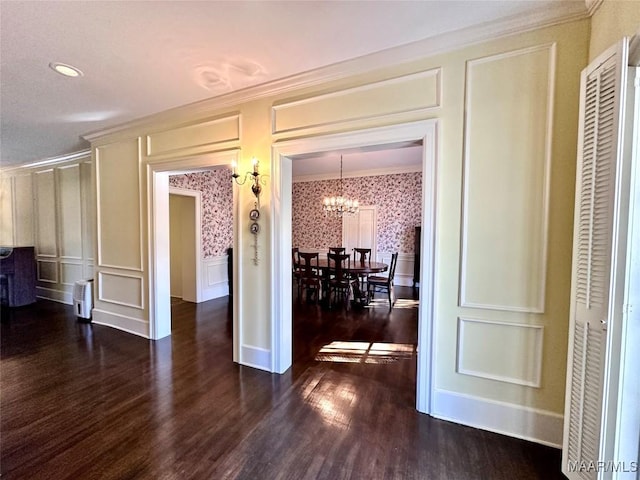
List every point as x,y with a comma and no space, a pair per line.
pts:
83,401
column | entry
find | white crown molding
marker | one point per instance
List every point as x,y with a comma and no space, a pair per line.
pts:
358,173
592,5
48,161
544,17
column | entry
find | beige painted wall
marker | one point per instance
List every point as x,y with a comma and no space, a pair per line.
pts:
182,230
175,238
508,344
613,20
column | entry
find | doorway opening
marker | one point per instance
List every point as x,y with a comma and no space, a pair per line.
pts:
422,133
159,236
362,322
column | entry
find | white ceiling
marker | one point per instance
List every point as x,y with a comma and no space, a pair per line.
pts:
142,57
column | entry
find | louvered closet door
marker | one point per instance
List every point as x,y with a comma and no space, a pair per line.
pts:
592,252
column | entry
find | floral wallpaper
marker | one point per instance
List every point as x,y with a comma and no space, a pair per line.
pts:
217,207
398,198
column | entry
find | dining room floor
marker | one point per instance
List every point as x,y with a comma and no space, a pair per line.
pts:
80,400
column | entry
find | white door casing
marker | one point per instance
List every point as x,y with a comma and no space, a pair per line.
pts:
425,132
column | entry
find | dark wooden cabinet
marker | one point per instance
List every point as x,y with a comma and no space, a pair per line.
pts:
416,258
18,276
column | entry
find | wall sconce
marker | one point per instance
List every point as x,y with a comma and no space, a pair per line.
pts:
257,179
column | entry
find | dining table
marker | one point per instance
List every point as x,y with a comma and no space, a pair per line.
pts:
355,268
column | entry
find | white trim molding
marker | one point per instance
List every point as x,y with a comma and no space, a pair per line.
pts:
540,426
120,322
60,296
592,6
256,357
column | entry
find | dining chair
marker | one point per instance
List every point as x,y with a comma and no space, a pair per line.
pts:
310,279
362,256
339,282
384,284
295,265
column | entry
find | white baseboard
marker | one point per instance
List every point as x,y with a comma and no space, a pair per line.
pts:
540,426
121,322
59,296
255,357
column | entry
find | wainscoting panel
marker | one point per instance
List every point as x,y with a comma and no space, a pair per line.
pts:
46,231
215,279
404,268
118,200
507,352
70,273
47,271
414,92
121,289
207,133
507,145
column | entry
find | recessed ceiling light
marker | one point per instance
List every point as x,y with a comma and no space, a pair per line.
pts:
66,70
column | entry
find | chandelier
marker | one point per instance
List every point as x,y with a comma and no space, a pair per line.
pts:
340,205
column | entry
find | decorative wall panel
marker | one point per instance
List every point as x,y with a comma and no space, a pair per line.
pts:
208,133
70,211
398,198
46,232
508,122
47,271
118,192
508,352
121,289
418,91
217,207
70,273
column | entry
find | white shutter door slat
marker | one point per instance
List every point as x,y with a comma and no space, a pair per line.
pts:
591,275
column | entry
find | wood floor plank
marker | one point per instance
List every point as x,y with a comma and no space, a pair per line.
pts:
85,401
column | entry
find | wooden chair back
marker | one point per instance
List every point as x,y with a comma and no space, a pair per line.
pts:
295,259
392,267
337,249
308,265
337,263
362,255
